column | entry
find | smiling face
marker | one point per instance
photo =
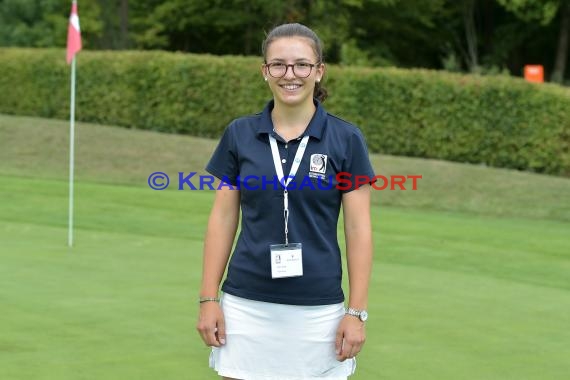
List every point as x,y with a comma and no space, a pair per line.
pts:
292,90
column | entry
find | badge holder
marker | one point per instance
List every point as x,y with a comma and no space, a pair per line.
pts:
286,259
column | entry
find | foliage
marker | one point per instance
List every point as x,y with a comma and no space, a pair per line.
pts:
402,32
494,120
464,35
44,23
220,27
532,10
544,11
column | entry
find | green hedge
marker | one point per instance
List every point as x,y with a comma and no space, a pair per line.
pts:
497,121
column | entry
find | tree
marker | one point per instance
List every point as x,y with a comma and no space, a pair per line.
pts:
124,16
468,13
216,26
562,50
44,23
397,32
545,11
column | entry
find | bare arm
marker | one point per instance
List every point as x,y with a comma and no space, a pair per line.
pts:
358,234
220,234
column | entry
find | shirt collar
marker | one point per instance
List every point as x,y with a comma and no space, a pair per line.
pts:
314,129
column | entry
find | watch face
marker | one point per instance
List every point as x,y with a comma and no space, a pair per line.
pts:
363,315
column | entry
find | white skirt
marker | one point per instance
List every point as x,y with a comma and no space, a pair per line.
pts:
268,341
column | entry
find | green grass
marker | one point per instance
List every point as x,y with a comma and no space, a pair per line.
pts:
39,147
468,283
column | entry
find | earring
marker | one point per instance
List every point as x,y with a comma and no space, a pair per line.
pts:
318,81
266,79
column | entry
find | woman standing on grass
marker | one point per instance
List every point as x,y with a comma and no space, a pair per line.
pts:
282,315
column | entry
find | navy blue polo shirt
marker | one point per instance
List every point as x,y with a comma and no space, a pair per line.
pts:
243,159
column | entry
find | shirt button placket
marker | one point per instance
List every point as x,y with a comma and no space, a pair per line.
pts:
284,155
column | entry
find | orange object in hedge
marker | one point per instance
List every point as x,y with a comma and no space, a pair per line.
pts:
534,73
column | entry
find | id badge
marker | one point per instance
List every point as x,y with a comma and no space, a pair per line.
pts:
286,260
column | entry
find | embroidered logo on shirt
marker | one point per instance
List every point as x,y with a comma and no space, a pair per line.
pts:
318,163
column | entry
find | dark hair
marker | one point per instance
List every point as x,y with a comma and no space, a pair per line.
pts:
298,30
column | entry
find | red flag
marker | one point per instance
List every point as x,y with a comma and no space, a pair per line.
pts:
73,34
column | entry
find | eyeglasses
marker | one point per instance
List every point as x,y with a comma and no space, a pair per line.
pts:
300,69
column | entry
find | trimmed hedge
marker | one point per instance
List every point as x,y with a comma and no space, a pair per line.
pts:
497,121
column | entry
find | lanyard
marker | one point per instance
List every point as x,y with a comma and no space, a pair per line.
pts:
285,182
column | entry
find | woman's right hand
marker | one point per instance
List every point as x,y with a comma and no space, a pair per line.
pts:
211,324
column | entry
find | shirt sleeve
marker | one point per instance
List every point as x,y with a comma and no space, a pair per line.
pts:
224,162
357,166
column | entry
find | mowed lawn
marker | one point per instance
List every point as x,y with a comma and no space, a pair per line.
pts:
462,288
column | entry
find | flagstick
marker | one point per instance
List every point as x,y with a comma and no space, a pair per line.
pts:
71,153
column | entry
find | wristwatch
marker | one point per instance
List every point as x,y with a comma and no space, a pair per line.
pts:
360,314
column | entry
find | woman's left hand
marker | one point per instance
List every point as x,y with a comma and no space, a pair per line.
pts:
350,337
